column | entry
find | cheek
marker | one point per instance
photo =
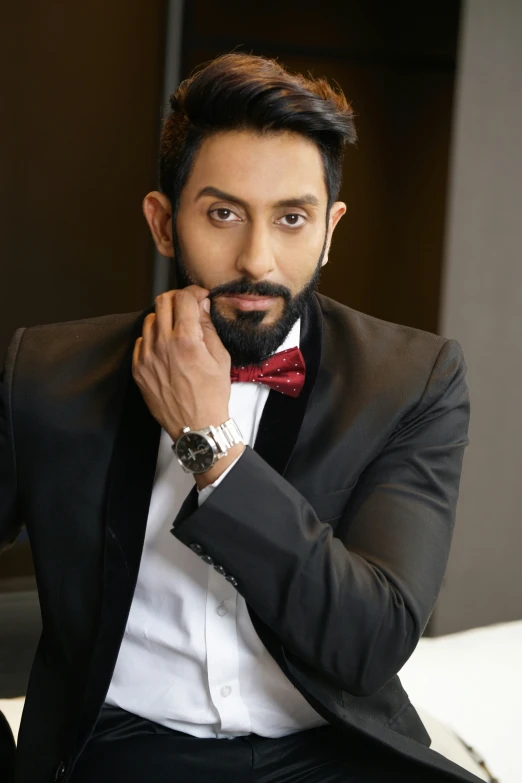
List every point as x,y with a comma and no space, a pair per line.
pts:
300,254
202,251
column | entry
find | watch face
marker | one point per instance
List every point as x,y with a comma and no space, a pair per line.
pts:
195,452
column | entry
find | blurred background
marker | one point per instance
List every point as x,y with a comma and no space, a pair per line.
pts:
431,238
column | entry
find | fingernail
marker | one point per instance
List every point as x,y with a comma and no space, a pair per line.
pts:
206,305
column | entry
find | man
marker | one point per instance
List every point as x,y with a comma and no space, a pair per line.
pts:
240,502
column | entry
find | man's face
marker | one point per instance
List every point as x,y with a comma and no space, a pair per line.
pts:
252,221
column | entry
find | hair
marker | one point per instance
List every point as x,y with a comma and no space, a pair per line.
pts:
249,92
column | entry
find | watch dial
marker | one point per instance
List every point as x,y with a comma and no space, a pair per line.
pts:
195,452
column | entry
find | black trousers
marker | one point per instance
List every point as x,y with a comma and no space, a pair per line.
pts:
130,749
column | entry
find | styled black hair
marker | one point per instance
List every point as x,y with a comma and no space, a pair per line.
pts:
249,92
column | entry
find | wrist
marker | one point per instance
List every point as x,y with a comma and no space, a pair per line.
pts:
176,431
209,452
204,479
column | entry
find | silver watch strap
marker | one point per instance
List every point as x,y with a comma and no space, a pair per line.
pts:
226,435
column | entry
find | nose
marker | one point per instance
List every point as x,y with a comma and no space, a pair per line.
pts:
255,258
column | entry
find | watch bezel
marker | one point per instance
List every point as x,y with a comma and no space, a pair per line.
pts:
211,442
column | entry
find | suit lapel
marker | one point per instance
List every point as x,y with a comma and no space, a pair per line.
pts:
130,483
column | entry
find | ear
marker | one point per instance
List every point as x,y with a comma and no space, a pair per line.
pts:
158,214
337,210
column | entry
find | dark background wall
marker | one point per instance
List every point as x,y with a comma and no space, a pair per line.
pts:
482,308
80,116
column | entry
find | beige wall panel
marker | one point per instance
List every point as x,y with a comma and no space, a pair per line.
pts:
482,308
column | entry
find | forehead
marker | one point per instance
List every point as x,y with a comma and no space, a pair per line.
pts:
259,167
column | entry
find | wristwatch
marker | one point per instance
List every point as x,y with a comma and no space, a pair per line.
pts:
198,450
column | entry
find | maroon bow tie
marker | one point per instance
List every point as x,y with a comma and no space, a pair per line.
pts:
283,371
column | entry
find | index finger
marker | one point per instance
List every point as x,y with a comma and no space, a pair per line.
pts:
196,290
165,309
186,316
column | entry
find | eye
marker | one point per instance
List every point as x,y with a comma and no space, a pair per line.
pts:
223,215
294,218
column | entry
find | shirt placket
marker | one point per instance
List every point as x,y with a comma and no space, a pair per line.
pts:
223,653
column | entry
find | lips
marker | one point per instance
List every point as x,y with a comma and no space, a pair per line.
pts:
249,302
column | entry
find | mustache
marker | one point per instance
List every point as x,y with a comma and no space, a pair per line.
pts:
244,287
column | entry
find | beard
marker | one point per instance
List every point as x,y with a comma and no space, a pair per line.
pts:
246,339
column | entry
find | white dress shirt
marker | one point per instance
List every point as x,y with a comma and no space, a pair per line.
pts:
190,658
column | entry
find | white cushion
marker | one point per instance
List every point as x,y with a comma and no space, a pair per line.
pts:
471,682
12,709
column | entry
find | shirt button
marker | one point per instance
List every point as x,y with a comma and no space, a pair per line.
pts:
220,569
207,559
226,690
222,609
232,580
197,548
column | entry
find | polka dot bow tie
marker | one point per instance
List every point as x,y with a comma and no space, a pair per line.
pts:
283,371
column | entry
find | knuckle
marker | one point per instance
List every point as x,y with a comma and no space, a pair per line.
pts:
185,341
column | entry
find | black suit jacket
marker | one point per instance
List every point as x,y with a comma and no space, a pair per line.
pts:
336,525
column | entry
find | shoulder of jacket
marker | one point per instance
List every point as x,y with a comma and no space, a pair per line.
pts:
50,348
374,353
363,325
112,321
85,331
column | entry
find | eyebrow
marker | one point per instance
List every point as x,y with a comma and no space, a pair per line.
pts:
308,199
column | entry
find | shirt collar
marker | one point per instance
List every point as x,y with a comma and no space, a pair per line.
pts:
292,338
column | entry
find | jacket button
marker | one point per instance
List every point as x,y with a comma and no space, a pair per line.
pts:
207,559
197,548
232,580
60,771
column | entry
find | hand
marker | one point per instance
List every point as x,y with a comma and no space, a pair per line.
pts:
180,365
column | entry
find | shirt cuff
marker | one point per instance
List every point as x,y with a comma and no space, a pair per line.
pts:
206,491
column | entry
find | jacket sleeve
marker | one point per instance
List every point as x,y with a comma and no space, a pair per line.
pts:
206,492
10,524
351,605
